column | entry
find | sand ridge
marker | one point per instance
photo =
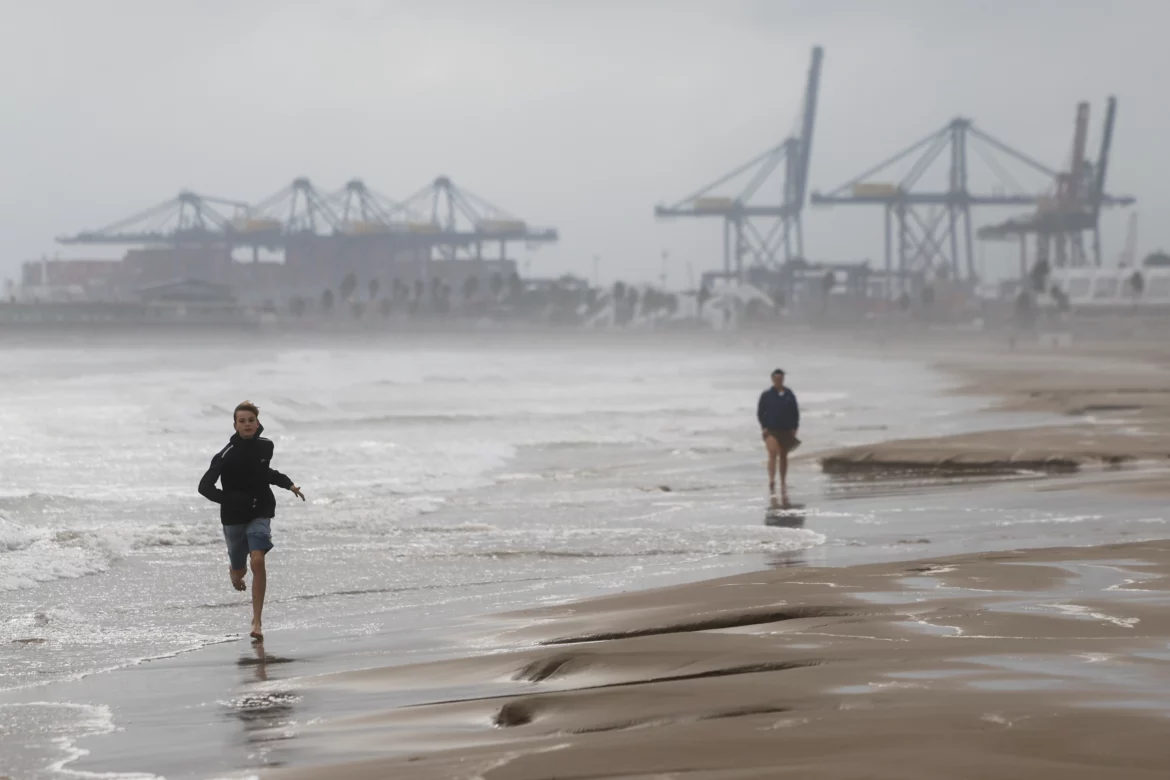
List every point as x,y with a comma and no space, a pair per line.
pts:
1116,405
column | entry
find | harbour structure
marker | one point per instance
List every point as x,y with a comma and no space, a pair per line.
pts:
929,230
1071,208
301,238
760,228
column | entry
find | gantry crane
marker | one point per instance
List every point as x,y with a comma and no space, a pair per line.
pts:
360,210
189,218
454,220
298,208
1061,219
928,224
765,231
301,218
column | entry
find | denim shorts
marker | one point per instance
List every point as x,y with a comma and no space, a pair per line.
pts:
244,539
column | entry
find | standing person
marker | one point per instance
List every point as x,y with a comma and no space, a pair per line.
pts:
779,417
246,503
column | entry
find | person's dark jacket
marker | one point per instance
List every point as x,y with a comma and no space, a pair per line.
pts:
243,468
778,411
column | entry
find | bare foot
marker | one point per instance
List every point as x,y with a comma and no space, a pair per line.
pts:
257,634
237,581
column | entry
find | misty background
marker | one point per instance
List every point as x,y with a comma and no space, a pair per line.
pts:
576,115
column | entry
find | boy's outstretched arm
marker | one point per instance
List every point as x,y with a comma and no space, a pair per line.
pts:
282,480
207,486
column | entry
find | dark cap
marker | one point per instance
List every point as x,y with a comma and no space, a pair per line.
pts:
779,371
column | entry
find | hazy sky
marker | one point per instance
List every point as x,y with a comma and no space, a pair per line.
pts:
579,115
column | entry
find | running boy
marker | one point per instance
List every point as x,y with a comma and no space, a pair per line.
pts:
246,503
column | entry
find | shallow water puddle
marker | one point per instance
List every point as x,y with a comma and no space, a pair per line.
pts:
1088,672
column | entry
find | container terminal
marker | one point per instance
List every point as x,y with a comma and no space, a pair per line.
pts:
351,253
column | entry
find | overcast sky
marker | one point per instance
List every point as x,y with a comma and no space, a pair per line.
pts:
576,114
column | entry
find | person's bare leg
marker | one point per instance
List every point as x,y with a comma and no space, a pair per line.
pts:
783,473
259,583
237,577
773,454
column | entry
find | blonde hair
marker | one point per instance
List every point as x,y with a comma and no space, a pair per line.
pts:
245,406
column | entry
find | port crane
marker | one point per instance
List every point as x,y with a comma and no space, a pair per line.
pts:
931,230
770,232
1072,208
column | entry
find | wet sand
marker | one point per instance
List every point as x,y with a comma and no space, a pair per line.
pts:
1049,663
1017,664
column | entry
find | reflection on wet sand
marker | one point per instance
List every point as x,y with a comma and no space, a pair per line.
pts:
260,661
785,514
267,716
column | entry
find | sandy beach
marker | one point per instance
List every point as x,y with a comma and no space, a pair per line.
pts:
1034,663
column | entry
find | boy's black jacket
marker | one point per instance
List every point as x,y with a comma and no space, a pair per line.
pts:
243,467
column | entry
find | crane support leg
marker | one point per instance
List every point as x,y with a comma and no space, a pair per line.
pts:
889,256
727,247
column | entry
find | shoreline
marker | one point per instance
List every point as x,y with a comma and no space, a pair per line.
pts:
276,705
804,671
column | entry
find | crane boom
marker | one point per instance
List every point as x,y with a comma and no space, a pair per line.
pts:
1098,194
811,93
1075,190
